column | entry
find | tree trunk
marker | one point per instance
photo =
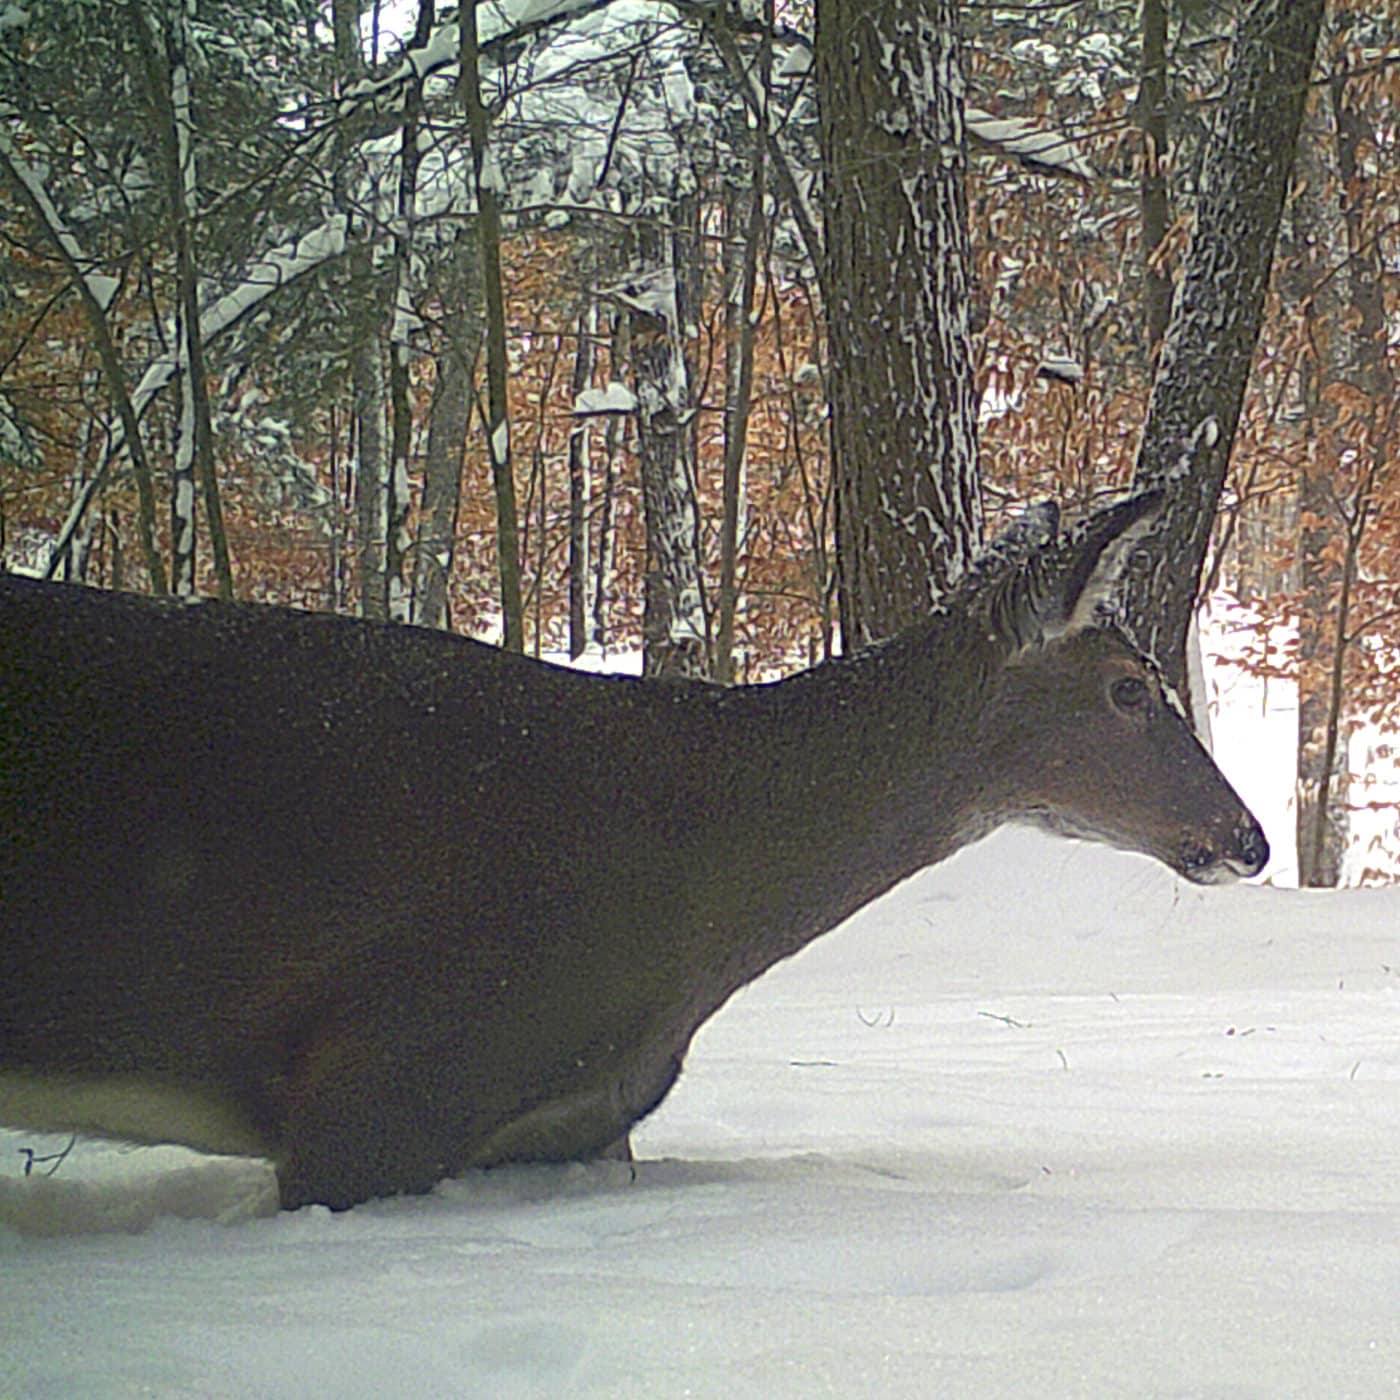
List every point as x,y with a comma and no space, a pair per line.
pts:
619,353
405,322
1152,115
897,284
1205,359
738,391
485,177
371,483
584,355
163,54
673,621
447,433
367,389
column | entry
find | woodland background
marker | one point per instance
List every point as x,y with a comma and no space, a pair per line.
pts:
288,313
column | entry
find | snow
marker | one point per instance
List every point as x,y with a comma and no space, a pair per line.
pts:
500,442
1044,1121
1045,149
614,398
1063,368
101,286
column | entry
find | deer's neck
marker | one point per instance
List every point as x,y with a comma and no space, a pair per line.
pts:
844,781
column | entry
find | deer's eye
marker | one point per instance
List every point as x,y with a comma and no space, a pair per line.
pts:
1129,693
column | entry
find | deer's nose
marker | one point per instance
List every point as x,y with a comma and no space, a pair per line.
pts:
1251,853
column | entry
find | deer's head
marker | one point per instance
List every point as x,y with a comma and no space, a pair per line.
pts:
1096,741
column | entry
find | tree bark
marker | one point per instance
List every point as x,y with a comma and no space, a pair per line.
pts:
447,433
738,390
1152,116
371,519
579,438
619,353
367,388
164,58
403,324
485,175
1199,387
674,641
897,281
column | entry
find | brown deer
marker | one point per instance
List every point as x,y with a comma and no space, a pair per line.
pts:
382,904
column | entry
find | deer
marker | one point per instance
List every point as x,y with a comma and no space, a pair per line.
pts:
383,904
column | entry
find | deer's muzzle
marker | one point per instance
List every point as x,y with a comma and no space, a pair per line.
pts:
1243,853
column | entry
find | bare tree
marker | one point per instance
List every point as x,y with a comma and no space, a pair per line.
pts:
746,230
485,181
448,416
163,47
674,640
1338,507
585,347
1152,117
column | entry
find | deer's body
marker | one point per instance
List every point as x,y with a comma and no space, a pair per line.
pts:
382,904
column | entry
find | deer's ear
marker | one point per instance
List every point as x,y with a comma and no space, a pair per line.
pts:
1094,557
1031,586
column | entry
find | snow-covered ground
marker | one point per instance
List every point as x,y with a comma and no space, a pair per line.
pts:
1043,1122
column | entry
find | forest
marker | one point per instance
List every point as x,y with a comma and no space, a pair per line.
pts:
722,334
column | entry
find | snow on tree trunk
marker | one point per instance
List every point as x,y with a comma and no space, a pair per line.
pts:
405,322
741,283
584,356
1216,313
371,482
897,279
619,353
447,433
486,179
1155,203
182,492
673,618
164,52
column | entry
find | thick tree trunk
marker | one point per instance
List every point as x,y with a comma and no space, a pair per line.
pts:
1219,303
897,283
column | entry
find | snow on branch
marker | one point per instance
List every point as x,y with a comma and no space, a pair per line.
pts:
1036,147
615,398
498,22
275,268
100,287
